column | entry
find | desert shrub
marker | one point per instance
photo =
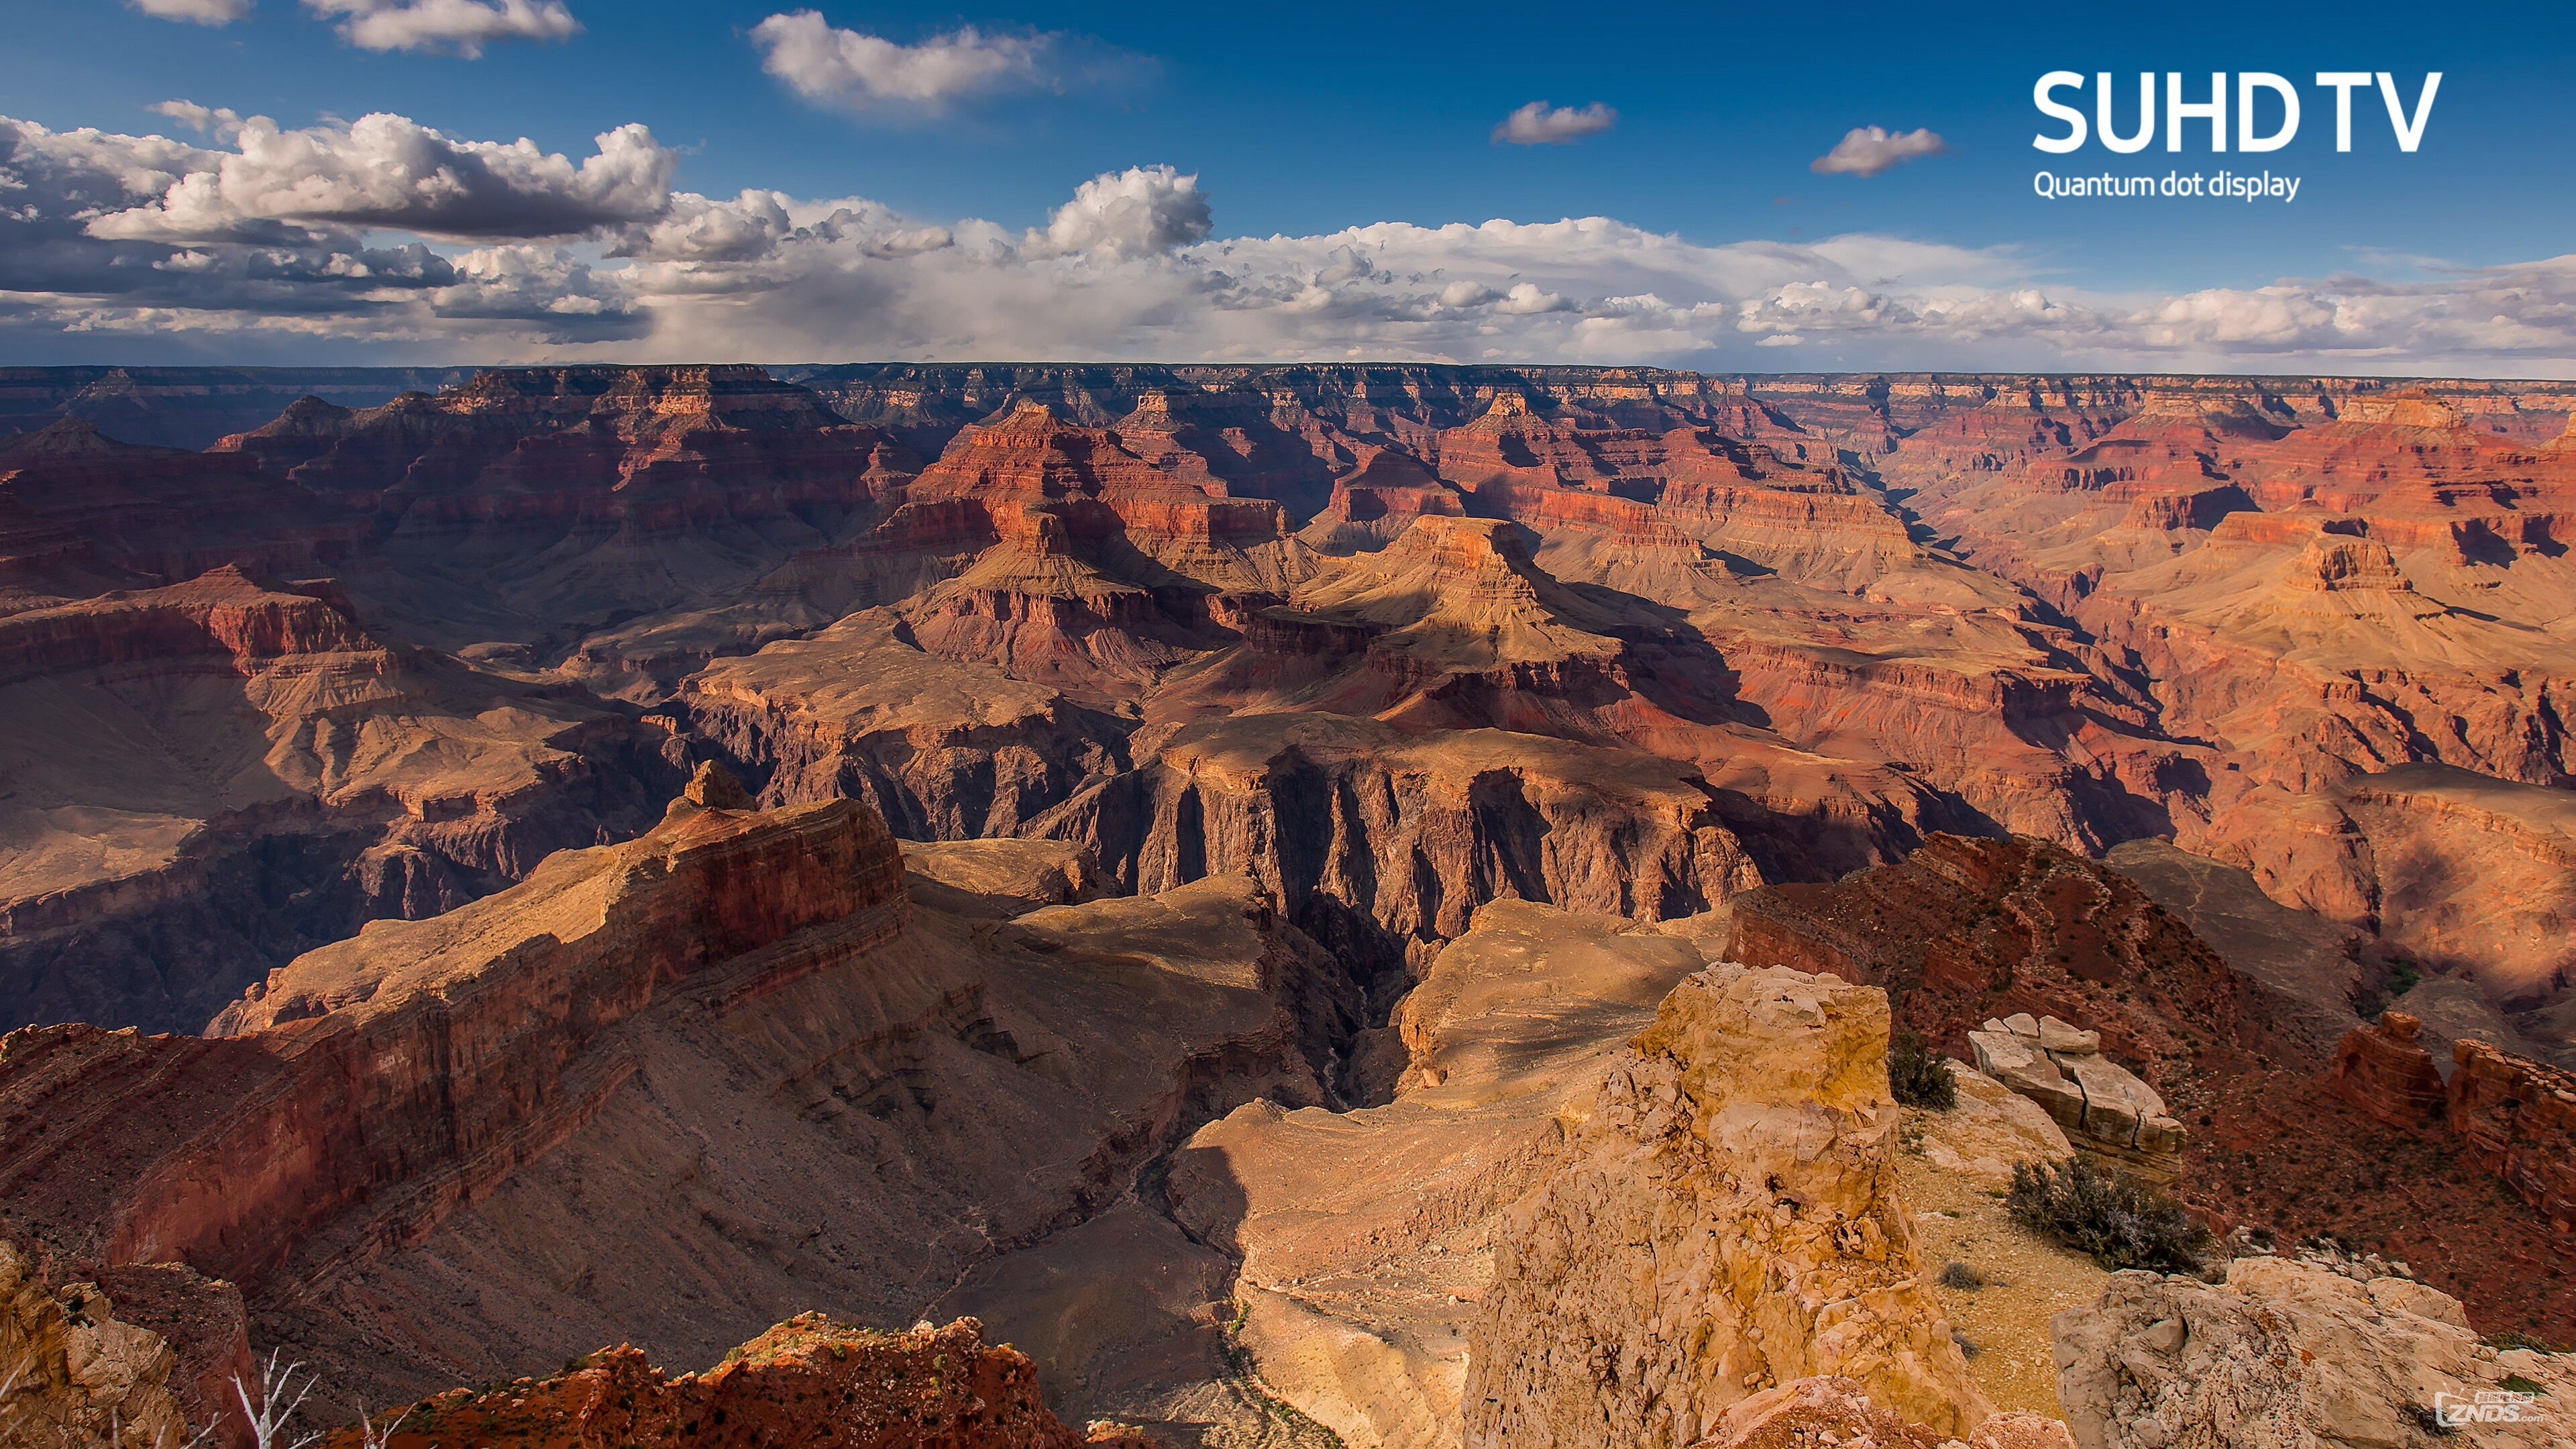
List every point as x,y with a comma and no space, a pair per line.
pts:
1962,1277
1916,1076
2119,1224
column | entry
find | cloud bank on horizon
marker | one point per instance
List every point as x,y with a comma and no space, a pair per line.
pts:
383,234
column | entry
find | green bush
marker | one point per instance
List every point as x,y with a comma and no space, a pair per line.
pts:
1916,1076
2118,1224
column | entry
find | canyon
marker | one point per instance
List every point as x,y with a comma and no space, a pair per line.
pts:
1268,890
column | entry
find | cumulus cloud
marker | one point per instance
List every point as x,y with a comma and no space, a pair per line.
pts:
1540,124
219,122
197,12
316,236
463,27
858,71
1869,150
1142,211
386,171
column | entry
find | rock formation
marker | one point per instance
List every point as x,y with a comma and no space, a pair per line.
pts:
1367,1239
1384,844
2285,1354
2517,1119
808,1383
1829,1410
2382,1070
943,749
1725,1221
2105,1109
1967,931
75,1376
2508,1116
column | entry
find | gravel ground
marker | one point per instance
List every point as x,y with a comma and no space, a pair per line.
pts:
2030,1281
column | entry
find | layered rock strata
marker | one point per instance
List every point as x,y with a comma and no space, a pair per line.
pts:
213,776
1383,844
370,1089
2518,1121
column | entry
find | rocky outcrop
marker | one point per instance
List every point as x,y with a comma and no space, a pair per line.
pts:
1366,1239
75,1376
371,1088
1172,509
809,1383
1726,1221
1996,928
2517,1119
1964,931
2289,1354
2506,1115
2104,1108
1830,1410
2383,1070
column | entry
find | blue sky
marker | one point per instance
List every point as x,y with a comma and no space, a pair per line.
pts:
1303,121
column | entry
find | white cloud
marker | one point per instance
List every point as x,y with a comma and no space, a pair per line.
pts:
198,12
1868,150
1526,300
386,171
312,236
461,26
1540,124
1142,211
852,69
221,123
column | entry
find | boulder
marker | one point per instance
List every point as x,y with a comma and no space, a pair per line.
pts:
2106,1110
1991,1128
